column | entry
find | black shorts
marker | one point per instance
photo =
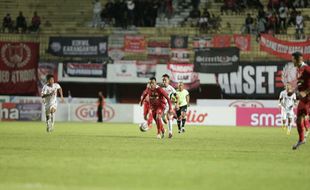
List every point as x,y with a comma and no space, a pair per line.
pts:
181,109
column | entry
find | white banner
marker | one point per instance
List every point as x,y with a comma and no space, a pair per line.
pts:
198,115
238,103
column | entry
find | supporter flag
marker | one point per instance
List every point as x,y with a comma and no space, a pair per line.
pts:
202,42
284,49
179,42
183,72
18,67
180,55
243,42
135,43
220,41
158,50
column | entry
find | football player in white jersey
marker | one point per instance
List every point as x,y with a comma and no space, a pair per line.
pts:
172,95
287,102
49,96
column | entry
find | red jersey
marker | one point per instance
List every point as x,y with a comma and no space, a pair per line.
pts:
303,77
157,97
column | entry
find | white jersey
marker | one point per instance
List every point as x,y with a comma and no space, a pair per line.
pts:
169,90
287,102
50,100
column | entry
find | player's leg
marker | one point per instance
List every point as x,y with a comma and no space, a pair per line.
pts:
283,115
179,119
183,115
289,125
48,118
300,126
306,124
170,124
160,127
53,111
148,116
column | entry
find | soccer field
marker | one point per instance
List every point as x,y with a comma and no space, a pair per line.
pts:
91,156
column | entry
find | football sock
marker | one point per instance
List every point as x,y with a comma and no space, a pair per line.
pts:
179,124
307,123
183,122
150,119
52,119
159,125
170,125
300,129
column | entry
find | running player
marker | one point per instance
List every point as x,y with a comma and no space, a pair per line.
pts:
171,94
147,113
303,72
49,95
287,101
157,98
183,103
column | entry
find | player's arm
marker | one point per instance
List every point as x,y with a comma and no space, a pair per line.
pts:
176,103
280,100
305,87
143,96
187,100
61,94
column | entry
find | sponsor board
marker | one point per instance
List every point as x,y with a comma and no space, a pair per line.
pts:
89,70
197,115
216,60
238,103
258,117
20,111
253,80
9,112
87,112
78,46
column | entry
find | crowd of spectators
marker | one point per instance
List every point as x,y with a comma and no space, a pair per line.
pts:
20,25
132,13
279,16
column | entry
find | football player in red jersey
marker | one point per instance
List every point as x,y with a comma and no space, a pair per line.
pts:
303,77
157,98
147,113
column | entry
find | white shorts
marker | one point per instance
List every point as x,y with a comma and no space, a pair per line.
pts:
49,107
287,114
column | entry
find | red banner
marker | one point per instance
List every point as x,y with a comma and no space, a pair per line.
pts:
243,42
284,49
18,67
220,41
135,44
184,72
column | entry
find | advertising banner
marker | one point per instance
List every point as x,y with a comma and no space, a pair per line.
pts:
284,49
135,44
216,60
18,67
253,80
89,70
243,42
238,103
146,69
258,117
200,116
21,111
179,42
184,72
78,46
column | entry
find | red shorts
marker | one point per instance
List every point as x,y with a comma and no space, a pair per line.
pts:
157,110
303,107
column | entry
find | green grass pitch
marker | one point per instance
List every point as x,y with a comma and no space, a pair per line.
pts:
91,156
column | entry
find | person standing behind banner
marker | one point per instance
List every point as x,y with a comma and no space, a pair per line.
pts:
101,104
